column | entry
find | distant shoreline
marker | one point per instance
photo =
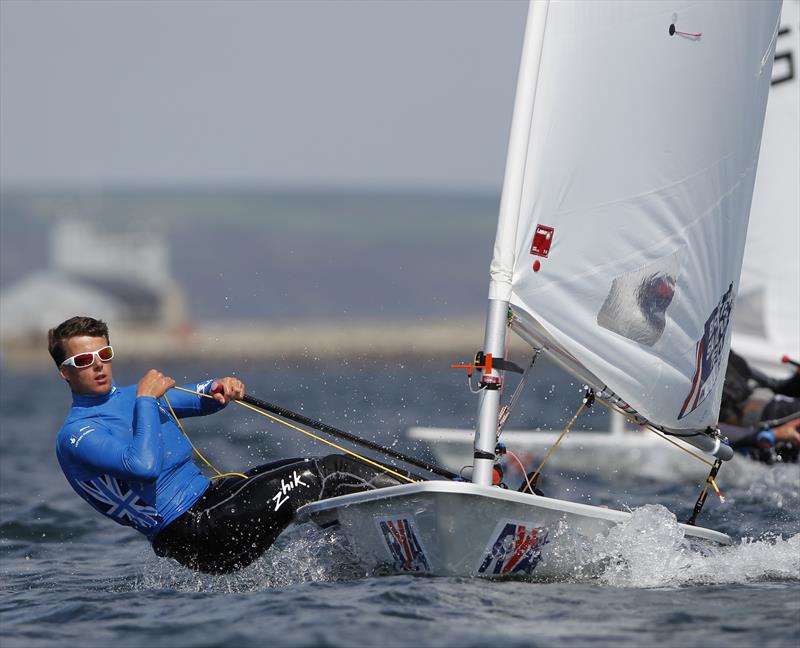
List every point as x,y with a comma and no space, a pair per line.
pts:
311,341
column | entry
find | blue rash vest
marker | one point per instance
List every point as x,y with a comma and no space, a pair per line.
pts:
126,456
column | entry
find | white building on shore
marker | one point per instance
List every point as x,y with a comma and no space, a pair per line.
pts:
120,277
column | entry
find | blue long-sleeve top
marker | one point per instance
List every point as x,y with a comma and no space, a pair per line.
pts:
126,456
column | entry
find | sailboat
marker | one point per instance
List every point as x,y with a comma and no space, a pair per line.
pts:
768,305
765,318
629,177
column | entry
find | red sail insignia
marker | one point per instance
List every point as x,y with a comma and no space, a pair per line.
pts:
542,239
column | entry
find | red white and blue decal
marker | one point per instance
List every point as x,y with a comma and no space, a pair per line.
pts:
402,542
708,353
514,548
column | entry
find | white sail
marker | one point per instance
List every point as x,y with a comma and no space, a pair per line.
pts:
767,315
630,174
622,237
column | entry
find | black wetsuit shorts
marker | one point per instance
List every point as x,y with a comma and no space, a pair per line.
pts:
237,519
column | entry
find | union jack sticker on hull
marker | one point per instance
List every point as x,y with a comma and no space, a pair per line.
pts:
708,354
402,542
514,548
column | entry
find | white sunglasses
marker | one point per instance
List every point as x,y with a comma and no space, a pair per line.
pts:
86,359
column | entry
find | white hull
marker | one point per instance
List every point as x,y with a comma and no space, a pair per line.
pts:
443,528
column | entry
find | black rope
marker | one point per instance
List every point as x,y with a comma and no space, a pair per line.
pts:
336,432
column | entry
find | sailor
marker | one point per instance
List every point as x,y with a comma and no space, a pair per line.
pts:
768,431
123,452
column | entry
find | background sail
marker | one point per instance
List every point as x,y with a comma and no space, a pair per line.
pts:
767,315
638,178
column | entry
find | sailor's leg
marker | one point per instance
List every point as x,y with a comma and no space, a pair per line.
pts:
237,519
342,475
273,465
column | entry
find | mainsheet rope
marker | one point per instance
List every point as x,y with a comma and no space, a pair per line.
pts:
219,474
532,480
710,480
628,417
529,479
289,425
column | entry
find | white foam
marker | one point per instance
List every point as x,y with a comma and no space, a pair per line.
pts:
304,553
650,550
777,488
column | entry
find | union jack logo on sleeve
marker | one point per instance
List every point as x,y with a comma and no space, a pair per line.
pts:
114,498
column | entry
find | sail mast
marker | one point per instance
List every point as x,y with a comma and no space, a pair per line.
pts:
500,285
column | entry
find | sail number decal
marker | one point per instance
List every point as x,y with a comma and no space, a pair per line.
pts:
514,548
402,542
783,68
708,353
542,239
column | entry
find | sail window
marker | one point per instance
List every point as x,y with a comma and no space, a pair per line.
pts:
637,302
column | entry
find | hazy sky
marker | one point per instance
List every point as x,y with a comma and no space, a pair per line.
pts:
398,94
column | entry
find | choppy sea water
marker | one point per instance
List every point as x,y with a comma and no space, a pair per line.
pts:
69,576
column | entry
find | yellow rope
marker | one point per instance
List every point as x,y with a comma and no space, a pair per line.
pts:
716,488
710,479
705,490
554,446
219,474
652,429
677,445
306,432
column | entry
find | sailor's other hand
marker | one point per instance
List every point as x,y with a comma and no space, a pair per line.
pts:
227,389
788,432
154,384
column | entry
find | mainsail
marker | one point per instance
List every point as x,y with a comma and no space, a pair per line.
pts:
768,304
633,148
630,171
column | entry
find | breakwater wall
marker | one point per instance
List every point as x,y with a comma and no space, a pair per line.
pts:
259,341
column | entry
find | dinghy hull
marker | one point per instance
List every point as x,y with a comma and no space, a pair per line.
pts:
444,528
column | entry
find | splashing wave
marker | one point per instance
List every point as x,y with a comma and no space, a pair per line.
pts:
651,550
304,553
